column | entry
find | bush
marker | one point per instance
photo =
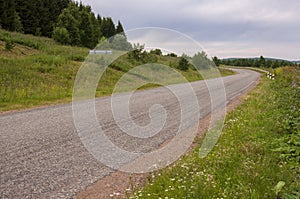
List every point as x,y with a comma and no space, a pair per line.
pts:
183,64
61,35
172,55
9,45
156,52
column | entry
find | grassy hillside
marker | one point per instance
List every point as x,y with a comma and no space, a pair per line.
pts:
38,71
257,155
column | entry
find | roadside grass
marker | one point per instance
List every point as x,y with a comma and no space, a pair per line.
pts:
257,151
37,71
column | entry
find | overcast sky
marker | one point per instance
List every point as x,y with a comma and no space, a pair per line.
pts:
225,28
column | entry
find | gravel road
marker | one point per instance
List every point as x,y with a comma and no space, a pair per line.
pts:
42,155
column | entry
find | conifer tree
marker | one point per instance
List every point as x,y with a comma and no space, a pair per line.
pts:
108,27
119,28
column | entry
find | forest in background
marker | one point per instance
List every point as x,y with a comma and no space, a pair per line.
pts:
67,21
260,62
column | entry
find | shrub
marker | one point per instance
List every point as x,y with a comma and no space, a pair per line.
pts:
61,35
9,45
183,64
156,52
172,55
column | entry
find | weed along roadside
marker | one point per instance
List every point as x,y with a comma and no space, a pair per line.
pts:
257,155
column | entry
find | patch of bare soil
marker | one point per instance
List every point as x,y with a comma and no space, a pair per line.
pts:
18,50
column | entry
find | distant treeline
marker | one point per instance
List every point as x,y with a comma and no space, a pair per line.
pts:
256,62
68,22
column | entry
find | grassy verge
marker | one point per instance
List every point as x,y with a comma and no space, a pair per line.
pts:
257,155
38,71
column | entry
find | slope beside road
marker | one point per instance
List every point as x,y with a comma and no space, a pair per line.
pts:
42,155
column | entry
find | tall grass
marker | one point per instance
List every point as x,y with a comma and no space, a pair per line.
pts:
255,152
42,73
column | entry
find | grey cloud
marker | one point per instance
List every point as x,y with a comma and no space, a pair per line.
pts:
248,22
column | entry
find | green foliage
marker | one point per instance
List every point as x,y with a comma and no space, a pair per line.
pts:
86,30
96,29
17,38
156,52
256,62
39,15
18,27
262,62
137,52
279,187
288,125
61,35
119,42
183,64
69,20
200,61
120,29
185,56
150,58
43,17
9,44
216,60
108,27
9,17
172,55
42,74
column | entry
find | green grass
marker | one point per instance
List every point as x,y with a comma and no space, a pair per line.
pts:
255,151
38,71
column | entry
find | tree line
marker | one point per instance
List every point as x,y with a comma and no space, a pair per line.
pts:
67,21
255,62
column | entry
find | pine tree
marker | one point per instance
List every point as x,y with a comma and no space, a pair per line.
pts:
70,23
29,15
86,30
17,23
96,29
183,64
8,14
99,19
39,16
216,60
262,61
82,25
120,29
108,27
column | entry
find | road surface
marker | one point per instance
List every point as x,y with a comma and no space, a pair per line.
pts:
42,155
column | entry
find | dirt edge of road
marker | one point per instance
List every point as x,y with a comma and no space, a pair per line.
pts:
118,184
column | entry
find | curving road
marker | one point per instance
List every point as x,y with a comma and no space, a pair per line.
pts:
42,155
